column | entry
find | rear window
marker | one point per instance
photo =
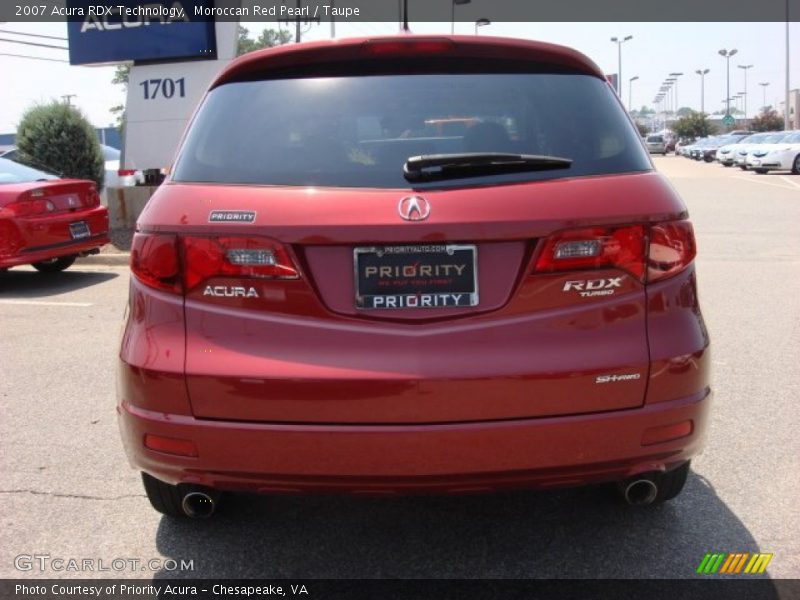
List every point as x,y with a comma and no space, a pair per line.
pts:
11,172
359,131
655,139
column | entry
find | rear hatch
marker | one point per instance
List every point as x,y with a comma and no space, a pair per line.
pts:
323,283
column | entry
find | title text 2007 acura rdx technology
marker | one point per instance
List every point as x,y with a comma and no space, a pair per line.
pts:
412,264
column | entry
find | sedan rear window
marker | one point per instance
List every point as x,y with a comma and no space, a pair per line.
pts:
360,131
11,172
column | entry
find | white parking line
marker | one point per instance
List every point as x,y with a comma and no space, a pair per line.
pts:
44,303
751,180
788,180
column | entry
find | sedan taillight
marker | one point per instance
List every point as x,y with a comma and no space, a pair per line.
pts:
648,252
180,264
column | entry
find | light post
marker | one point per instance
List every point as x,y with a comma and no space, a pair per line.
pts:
619,43
702,73
744,68
482,22
676,75
727,54
630,91
453,13
764,97
672,81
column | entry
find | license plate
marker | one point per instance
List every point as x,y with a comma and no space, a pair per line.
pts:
79,230
421,276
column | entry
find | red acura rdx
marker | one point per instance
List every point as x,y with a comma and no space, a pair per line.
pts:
412,264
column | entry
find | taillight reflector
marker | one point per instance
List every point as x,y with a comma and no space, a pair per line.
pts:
666,433
170,445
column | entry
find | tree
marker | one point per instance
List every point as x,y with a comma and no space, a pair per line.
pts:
58,137
768,120
643,129
121,75
693,125
684,111
267,39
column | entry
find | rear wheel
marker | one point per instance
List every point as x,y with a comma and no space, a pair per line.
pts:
796,165
54,265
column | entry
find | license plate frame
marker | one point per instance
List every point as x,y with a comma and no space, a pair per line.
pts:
79,230
449,279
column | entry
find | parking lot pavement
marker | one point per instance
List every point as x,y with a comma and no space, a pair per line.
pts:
66,489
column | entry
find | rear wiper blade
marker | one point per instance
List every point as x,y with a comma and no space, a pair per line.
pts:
470,164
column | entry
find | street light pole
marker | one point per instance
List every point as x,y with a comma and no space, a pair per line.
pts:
676,75
727,54
764,97
745,68
786,105
482,22
702,73
453,13
630,91
619,43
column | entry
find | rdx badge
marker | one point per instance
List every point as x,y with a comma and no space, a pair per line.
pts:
229,291
593,287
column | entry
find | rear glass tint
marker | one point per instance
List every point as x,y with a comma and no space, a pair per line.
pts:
655,139
359,131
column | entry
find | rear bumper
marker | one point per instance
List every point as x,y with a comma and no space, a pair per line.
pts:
386,459
66,249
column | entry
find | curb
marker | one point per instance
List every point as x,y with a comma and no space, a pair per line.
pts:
120,259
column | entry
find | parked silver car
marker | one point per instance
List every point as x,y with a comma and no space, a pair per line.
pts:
656,144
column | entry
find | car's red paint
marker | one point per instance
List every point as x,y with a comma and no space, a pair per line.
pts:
297,390
28,239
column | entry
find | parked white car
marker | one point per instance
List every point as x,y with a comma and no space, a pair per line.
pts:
780,156
754,141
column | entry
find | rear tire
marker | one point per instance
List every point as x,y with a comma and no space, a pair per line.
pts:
55,265
164,498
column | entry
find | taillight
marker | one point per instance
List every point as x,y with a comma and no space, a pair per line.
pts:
30,205
649,253
595,248
174,264
413,47
154,261
672,248
247,257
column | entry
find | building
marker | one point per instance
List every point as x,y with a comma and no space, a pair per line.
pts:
794,109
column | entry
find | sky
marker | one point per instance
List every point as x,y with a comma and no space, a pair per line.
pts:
656,50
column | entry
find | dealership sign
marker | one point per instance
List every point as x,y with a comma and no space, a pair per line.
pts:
134,31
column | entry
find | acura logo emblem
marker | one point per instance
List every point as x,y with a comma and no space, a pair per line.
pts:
414,208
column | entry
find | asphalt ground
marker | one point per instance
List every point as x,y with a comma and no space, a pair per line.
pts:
66,489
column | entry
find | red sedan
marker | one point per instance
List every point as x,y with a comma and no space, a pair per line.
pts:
45,221
328,294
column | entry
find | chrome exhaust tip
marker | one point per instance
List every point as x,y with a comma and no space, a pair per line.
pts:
198,505
640,492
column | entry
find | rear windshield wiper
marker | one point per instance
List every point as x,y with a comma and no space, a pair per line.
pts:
471,164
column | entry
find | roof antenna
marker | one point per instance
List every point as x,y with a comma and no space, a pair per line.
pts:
405,17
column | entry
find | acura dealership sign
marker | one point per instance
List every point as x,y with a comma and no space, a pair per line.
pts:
132,31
